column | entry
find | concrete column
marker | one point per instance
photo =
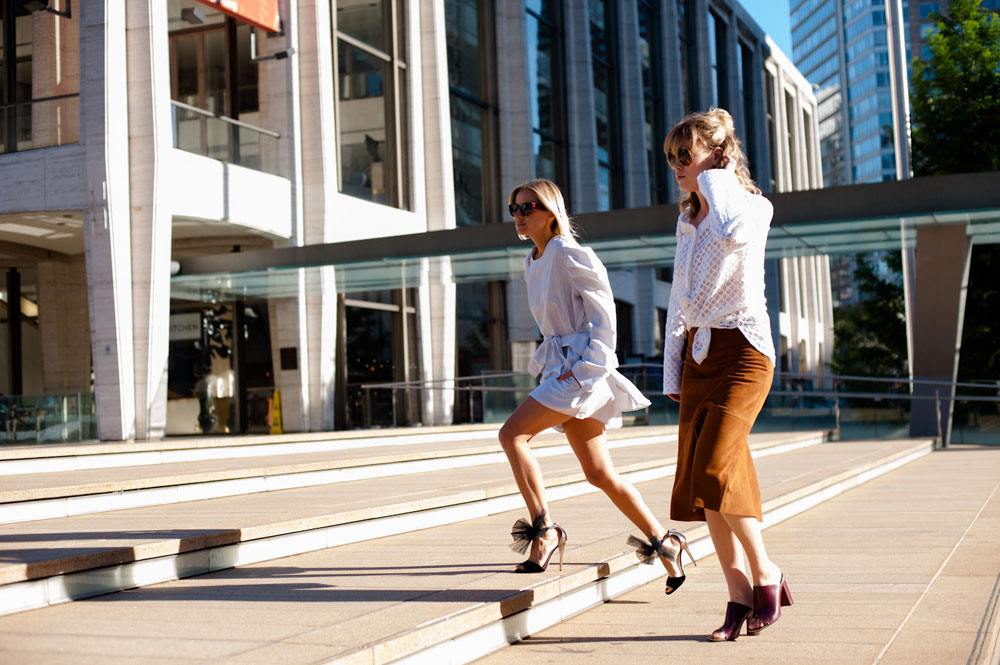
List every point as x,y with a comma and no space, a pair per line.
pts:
292,319
436,309
288,323
150,142
104,133
436,321
516,157
319,193
673,91
633,114
580,117
943,254
65,326
700,66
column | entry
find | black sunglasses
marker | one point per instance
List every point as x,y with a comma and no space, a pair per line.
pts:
683,156
524,208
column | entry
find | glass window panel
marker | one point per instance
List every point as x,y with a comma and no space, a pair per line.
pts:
24,28
186,54
713,52
602,112
462,38
216,68
604,188
599,29
541,42
545,158
546,9
467,161
403,186
401,32
247,74
362,123
363,20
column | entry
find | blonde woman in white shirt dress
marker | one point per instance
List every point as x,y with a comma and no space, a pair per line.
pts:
719,360
580,391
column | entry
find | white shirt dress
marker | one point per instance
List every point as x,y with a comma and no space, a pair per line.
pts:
570,298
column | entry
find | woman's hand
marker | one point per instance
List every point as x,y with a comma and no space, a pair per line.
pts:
674,396
567,375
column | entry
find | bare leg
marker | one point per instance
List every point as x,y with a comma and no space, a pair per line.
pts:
527,421
730,553
747,531
586,437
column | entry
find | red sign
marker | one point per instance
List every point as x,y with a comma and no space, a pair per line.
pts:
260,13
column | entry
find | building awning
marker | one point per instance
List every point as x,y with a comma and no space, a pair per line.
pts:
262,14
843,220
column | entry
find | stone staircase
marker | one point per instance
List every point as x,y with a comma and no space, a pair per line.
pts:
384,548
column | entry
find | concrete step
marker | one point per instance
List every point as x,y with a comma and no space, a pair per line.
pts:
441,595
904,570
53,561
38,496
34,459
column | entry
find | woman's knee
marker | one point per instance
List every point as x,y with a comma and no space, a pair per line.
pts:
601,477
511,439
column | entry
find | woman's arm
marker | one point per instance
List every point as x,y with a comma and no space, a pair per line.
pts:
673,347
589,280
741,216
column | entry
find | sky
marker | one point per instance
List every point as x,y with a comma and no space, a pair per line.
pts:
772,16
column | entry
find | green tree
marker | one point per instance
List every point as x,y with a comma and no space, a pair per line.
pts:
956,94
870,335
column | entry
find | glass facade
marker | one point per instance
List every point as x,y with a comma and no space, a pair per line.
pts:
545,76
607,95
651,54
468,28
850,68
37,109
372,114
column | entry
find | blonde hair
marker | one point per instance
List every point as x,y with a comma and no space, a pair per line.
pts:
711,129
550,196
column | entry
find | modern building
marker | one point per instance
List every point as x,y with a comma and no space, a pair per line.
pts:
842,48
920,27
143,140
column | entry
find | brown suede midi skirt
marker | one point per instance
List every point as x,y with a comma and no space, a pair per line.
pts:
720,400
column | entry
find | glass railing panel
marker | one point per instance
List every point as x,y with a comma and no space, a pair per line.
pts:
26,419
40,123
218,137
977,421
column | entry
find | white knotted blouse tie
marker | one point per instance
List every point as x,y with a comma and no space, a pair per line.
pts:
550,352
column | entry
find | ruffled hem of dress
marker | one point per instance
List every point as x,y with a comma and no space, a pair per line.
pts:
624,397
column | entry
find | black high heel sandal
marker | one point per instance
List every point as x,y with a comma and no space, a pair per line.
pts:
524,534
666,549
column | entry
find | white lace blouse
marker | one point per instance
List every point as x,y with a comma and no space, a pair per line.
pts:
718,274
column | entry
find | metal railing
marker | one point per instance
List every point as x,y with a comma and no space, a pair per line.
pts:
782,398
40,123
233,141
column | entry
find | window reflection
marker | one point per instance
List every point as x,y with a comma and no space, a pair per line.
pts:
544,80
371,110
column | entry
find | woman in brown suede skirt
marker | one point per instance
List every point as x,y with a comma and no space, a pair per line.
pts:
720,399
718,360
